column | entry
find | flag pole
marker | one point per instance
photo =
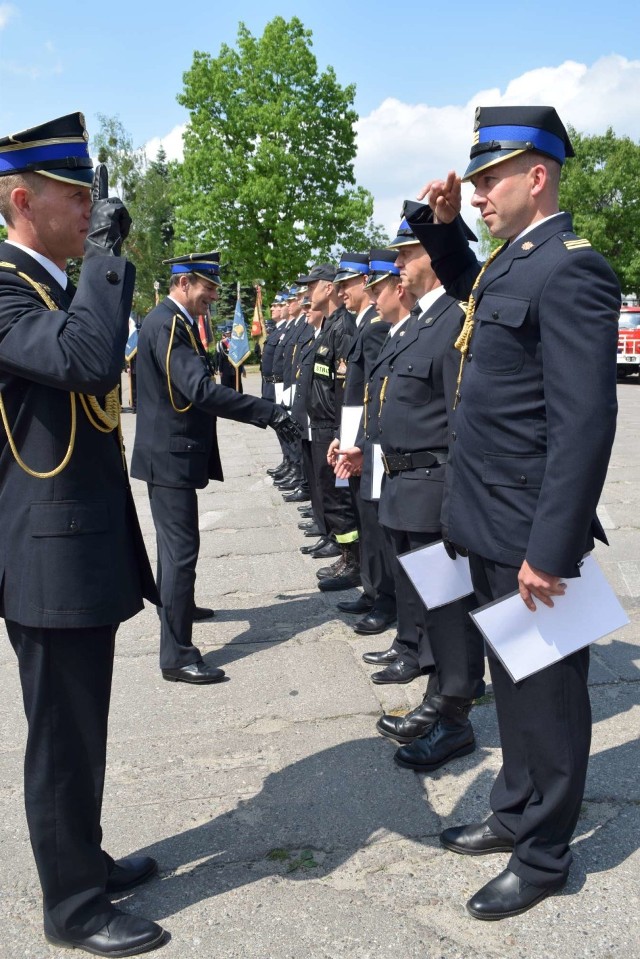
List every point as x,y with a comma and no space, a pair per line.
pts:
237,367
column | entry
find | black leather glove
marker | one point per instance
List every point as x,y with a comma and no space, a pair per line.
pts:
453,550
284,425
108,227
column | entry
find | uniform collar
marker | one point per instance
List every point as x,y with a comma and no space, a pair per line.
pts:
58,275
182,309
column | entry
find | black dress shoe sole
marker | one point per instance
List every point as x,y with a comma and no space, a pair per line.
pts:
494,916
400,681
204,681
123,887
354,612
431,767
110,953
462,851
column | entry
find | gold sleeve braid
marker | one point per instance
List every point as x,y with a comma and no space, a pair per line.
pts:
105,420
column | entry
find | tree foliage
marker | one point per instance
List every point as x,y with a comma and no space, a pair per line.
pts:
268,174
601,188
151,237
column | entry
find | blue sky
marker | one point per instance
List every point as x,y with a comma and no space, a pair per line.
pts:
419,68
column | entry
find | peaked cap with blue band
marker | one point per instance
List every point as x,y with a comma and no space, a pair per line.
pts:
204,265
381,265
350,265
57,149
500,133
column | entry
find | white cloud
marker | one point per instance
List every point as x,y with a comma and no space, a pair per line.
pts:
7,12
172,144
402,145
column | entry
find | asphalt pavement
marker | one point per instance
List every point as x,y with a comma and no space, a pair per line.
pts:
282,826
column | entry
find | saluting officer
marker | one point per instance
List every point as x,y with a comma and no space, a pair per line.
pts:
176,449
72,561
532,434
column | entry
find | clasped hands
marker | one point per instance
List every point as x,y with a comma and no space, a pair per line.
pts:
345,463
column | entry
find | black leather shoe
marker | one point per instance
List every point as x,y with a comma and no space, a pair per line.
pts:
306,513
443,742
404,729
299,495
130,872
312,531
200,613
374,622
507,895
274,470
346,578
360,605
326,551
312,547
476,839
396,672
309,524
289,482
122,935
383,658
198,673
305,509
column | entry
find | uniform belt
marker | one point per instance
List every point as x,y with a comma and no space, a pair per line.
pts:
399,462
273,379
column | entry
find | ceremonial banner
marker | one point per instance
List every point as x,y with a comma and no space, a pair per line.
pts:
258,329
239,341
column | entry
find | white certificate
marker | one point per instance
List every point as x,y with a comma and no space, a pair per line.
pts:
349,424
438,579
527,642
377,471
279,388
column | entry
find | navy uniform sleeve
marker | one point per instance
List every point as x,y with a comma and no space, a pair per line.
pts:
579,309
194,384
80,351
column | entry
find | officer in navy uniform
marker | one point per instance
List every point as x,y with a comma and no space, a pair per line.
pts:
411,389
377,601
176,450
532,434
224,366
72,561
324,403
296,490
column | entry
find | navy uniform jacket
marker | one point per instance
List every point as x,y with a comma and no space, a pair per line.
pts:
304,374
181,449
285,335
266,366
291,347
362,354
533,431
420,365
71,551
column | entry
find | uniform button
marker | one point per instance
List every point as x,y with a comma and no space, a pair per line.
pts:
454,435
391,369
73,525
469,357
523,479
112,277
410,367
495,315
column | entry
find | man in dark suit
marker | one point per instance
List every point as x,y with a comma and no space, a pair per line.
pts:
377,601
531,438
176,450
72,560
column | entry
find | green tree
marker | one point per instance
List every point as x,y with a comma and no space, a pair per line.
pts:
268,174
151,238
601,188
113,145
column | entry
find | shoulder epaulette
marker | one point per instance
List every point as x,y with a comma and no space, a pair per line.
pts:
576,243
375,319
463,306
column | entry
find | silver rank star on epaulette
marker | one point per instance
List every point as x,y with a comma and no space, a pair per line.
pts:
576,243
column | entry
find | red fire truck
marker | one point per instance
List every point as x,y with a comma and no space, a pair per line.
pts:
629,341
